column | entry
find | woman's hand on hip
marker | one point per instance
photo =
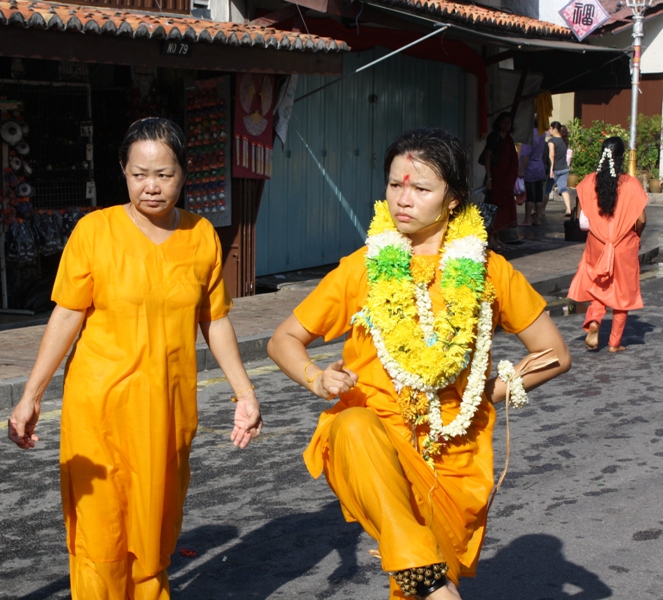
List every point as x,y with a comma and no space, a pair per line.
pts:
248,421
23,421
335,380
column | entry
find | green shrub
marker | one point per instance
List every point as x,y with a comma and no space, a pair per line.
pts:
586,144
648,142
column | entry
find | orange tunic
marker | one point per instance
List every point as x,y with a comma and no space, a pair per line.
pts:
129,409
463,475
609,270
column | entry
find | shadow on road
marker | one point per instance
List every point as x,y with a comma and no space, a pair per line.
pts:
634,334
52,590
282,550
533,567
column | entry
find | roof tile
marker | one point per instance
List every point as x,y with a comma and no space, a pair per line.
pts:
104,21
488,19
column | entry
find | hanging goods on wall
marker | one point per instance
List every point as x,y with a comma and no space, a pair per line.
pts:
22,148
23,190
11,132
208,185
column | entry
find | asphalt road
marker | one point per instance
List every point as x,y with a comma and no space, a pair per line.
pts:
579,516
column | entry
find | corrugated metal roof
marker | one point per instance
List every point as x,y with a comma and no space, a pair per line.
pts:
107,21
479,17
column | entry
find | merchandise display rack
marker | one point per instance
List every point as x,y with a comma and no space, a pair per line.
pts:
208,190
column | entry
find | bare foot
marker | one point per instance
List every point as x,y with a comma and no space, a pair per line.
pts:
616,348
592,339
448,592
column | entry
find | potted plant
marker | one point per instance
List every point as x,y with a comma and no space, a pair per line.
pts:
655,182
574,179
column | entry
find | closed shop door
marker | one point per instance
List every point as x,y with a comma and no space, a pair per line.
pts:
318,204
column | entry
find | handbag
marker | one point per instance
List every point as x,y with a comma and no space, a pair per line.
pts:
572,231
519,191
488,212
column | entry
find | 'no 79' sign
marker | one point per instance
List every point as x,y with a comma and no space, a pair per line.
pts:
170,48
584,16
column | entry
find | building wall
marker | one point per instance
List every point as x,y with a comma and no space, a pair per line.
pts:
318,204
615,106
563,107
549,11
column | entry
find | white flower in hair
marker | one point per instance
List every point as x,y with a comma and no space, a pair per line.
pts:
607,153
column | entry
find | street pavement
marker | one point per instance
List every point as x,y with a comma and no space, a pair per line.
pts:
579,515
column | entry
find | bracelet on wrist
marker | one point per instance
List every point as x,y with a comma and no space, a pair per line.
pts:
310,380
234,398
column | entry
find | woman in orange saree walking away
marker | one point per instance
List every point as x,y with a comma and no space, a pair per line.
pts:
613,210
136,280
408,446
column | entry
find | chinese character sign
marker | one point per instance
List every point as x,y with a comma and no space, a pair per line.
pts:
584,16
254,115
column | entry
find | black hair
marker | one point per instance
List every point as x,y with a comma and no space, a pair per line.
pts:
564,132
155,129
606,185
443,152
498,122
557,126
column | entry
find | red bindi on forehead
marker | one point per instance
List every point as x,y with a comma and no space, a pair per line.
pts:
406,179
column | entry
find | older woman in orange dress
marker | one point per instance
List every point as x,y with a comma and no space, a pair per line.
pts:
136,281
613,210
408,446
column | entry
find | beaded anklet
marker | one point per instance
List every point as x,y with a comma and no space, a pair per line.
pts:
421,581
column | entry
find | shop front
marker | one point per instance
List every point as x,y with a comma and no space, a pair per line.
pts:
66,100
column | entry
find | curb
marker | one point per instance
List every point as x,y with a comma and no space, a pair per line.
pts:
251,348
254,348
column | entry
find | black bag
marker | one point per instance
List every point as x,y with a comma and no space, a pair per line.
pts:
572,231
488,212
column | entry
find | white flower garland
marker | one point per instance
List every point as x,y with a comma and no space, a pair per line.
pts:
507,374
425,310
607,152
476,382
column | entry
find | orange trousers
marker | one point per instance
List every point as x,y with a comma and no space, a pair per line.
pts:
119,580
365,473
596,312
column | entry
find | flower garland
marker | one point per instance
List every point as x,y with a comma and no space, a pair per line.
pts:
421,351
507,373
611,162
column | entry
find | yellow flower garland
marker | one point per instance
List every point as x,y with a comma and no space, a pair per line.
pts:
422,351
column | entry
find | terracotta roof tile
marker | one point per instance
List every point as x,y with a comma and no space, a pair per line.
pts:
479,17
84,19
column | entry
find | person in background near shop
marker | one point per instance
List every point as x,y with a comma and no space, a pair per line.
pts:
408,446
559,168
136,281
501,175
533,171
613,211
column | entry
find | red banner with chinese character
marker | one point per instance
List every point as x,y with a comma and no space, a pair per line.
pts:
254,116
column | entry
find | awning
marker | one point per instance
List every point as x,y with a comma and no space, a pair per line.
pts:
35,30
566,66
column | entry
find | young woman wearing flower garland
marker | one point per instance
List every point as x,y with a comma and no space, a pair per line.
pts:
407,448
613,211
